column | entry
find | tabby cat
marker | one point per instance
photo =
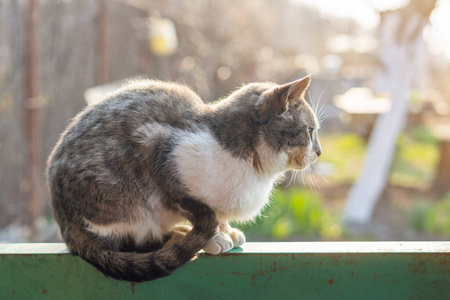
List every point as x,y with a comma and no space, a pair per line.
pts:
142,181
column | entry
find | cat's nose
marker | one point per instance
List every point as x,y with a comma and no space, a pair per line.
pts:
318,152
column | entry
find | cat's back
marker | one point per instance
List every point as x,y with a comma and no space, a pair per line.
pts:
135,104
111,125
152,101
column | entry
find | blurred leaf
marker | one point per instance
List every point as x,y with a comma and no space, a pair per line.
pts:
415,160
281,229
431,217
296,212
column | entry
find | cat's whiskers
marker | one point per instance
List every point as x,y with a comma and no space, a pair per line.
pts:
321,116
321,119
311,183
308,173
318,173
311,102
321,109
303,177
303,171
293,175
317,104
316,107
314,178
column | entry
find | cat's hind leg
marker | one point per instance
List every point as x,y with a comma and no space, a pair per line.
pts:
178,233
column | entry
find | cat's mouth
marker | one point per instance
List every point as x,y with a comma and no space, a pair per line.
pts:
302,162
300,159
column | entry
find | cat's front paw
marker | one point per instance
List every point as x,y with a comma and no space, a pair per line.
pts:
237,237
220,243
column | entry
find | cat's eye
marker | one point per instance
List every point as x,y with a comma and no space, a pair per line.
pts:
310,130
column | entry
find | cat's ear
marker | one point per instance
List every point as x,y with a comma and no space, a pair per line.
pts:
276,101
295,91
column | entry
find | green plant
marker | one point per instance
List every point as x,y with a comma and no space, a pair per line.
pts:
416,157
431,217
345,152
296,212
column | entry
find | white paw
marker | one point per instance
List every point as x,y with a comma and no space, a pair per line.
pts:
237,237
220,243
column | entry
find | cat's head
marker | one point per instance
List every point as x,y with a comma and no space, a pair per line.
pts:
288,124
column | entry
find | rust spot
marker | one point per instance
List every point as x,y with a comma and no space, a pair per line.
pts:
253,276
44,291
374,277
20,255
274,267
239,273
222,283
331,281
14,291
419,267
133,287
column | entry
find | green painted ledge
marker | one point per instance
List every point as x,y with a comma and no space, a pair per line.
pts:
307,270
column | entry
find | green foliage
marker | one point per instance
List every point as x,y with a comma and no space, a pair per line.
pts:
416,157
431,217
414,163
345,151
296,212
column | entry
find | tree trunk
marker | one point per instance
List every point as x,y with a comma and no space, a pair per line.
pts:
401,42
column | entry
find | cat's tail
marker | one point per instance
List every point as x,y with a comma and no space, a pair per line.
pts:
139,267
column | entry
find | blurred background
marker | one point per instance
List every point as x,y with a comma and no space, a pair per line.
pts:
381,85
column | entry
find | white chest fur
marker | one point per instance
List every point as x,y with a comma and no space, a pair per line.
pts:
229,185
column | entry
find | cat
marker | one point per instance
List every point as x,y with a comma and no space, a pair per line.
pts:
143,180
